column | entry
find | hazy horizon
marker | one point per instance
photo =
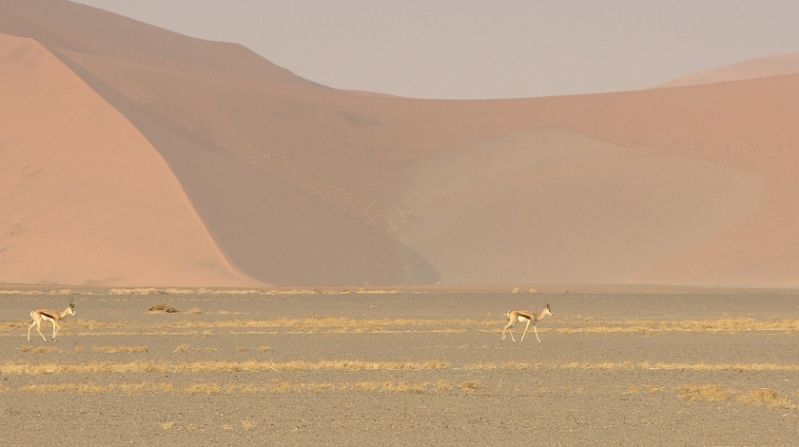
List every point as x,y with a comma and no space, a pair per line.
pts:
469,49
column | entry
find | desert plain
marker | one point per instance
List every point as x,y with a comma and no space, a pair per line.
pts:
615,367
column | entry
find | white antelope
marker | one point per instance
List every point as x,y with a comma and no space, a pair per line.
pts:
522,316
52,316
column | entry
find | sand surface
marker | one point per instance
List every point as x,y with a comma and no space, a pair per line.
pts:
387,369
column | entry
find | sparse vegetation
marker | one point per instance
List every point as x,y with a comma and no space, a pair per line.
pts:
31,369
469,385
119,349
187,348
89,388
713,393
766,397
335,325
272,387
162,308
39,349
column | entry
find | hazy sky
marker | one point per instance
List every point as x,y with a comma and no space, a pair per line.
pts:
485,49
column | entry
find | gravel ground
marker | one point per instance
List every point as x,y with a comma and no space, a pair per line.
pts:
416,369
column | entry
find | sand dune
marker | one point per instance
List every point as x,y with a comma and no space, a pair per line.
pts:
86,199
299,184
751,69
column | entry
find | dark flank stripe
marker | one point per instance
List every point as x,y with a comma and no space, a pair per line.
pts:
45,314
524,315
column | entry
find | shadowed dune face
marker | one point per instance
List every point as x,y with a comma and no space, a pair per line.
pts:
299,184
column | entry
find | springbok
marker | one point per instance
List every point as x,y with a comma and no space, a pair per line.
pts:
521,316
52,316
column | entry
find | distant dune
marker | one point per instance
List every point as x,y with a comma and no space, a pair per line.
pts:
229,170
752,69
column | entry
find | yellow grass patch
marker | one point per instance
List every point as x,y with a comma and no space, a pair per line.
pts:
167,425
469,385
119,349
162,308
248,424
712,392
766,397
652,326
187,348
443,385
630,366
262,348
39,349
214,366
272,387
643,389
88,388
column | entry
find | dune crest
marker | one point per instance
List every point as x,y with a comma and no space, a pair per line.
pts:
752,69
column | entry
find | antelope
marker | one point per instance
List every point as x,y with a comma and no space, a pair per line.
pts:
521,316
52,316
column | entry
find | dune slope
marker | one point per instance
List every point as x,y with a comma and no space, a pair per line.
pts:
86,198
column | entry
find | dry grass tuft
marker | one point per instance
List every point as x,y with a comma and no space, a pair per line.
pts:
644,327
280,386
162,308
227,427
89,388
469,385
119,349
645,389
248,424
766,397
262,348
167,425
194,311
712,393
39,349
443,386
204,388
32,369
275,386
187,348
